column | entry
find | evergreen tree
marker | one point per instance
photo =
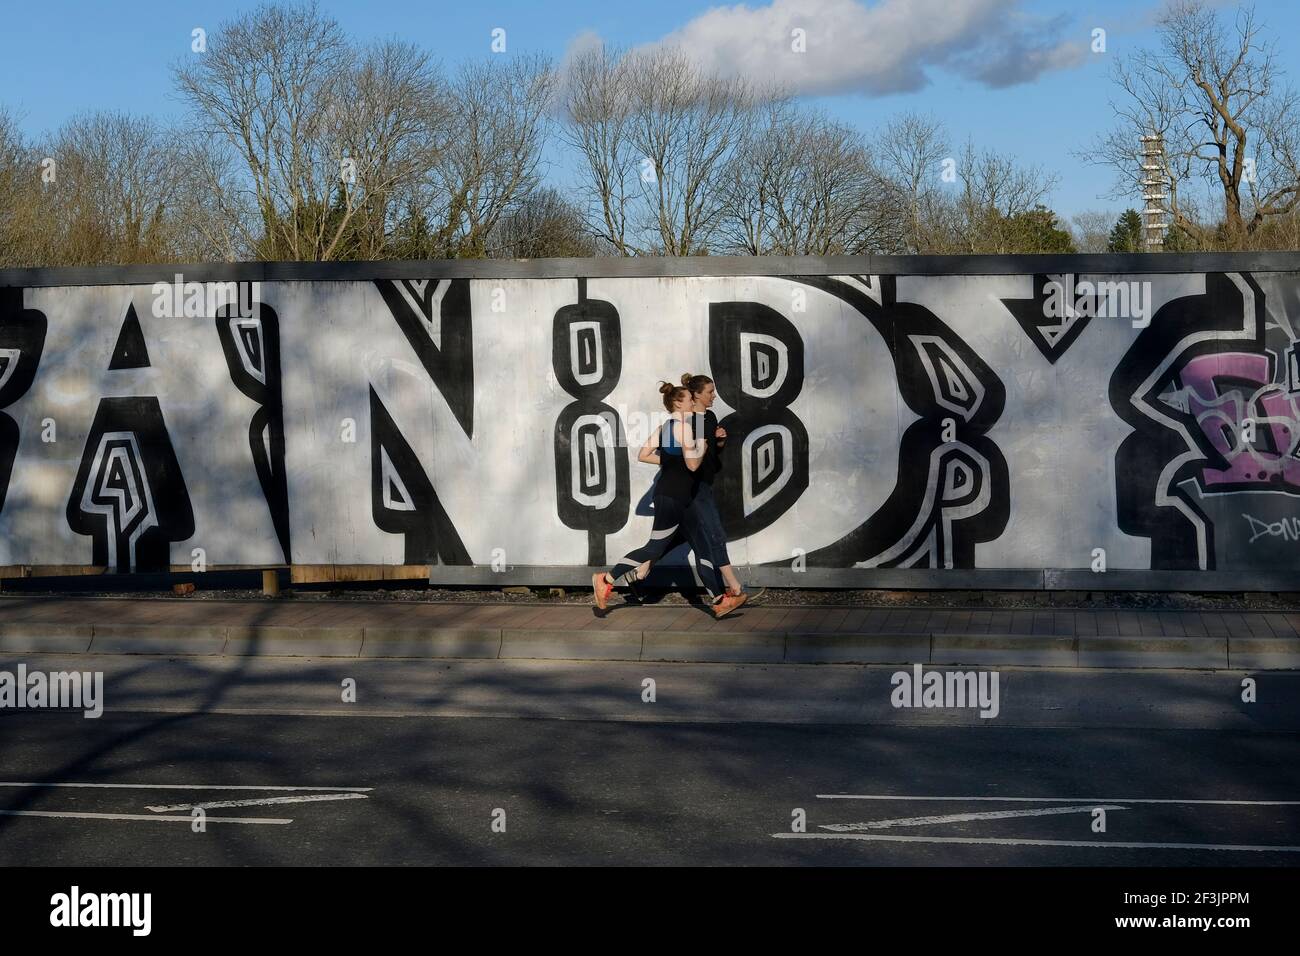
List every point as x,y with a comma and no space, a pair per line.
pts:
1126,236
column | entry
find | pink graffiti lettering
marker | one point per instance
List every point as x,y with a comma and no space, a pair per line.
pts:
1225,389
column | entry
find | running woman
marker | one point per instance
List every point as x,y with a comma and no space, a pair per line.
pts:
703,509
679,455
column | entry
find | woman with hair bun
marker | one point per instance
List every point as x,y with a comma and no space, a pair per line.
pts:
679,455
703,509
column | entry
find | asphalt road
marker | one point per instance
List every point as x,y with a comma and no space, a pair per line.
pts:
582,770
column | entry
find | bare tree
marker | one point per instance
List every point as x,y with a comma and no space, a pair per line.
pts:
912,148
493,160
118,193
657,136
331,152
993,189
21,235
686,125
597,117
266,86
1213,92
802,184
544,224
391,123
1091,230
759,178
214,205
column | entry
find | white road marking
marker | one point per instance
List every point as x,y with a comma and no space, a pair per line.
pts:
139,816
960,818
182,786
1007,842
891,796
311,798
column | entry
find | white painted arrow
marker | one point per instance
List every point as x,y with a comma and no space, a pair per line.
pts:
961,818
264,801
69,815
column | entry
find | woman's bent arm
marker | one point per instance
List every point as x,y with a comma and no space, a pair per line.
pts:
648,453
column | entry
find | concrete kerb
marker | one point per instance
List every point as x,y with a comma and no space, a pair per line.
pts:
768,647
24,638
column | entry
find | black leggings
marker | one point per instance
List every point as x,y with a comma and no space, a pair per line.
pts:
672,519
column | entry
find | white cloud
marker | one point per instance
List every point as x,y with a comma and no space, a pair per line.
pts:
889,46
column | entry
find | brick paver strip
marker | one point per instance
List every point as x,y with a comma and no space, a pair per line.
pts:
1171,624
495,616
1215,625
1282,627
893,621
650,618
572,618
1259,625
526,617
682,620
875,623
853,621
704,622
776,617
155,614
915,622
959,622
446,615
796,620
745,621
464,615
592,620
348,617
831,621
937,621
766,619
1233,623
1245,621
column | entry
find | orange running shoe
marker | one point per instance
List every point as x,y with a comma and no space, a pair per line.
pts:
601,588
728,604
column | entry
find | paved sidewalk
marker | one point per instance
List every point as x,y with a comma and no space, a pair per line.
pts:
770,633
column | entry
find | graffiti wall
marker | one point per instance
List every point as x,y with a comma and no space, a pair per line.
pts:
875,421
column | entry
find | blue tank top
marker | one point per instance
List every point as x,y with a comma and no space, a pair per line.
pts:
676,480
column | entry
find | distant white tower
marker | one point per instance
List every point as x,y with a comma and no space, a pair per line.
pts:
1155,185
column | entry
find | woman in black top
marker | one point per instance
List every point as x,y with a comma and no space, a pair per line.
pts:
702,513
679,455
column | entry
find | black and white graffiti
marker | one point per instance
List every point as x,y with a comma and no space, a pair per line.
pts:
951,489
129,494
251,345
591,468
901,422
757,359
22,339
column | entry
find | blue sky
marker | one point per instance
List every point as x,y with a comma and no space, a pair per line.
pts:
1017,75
